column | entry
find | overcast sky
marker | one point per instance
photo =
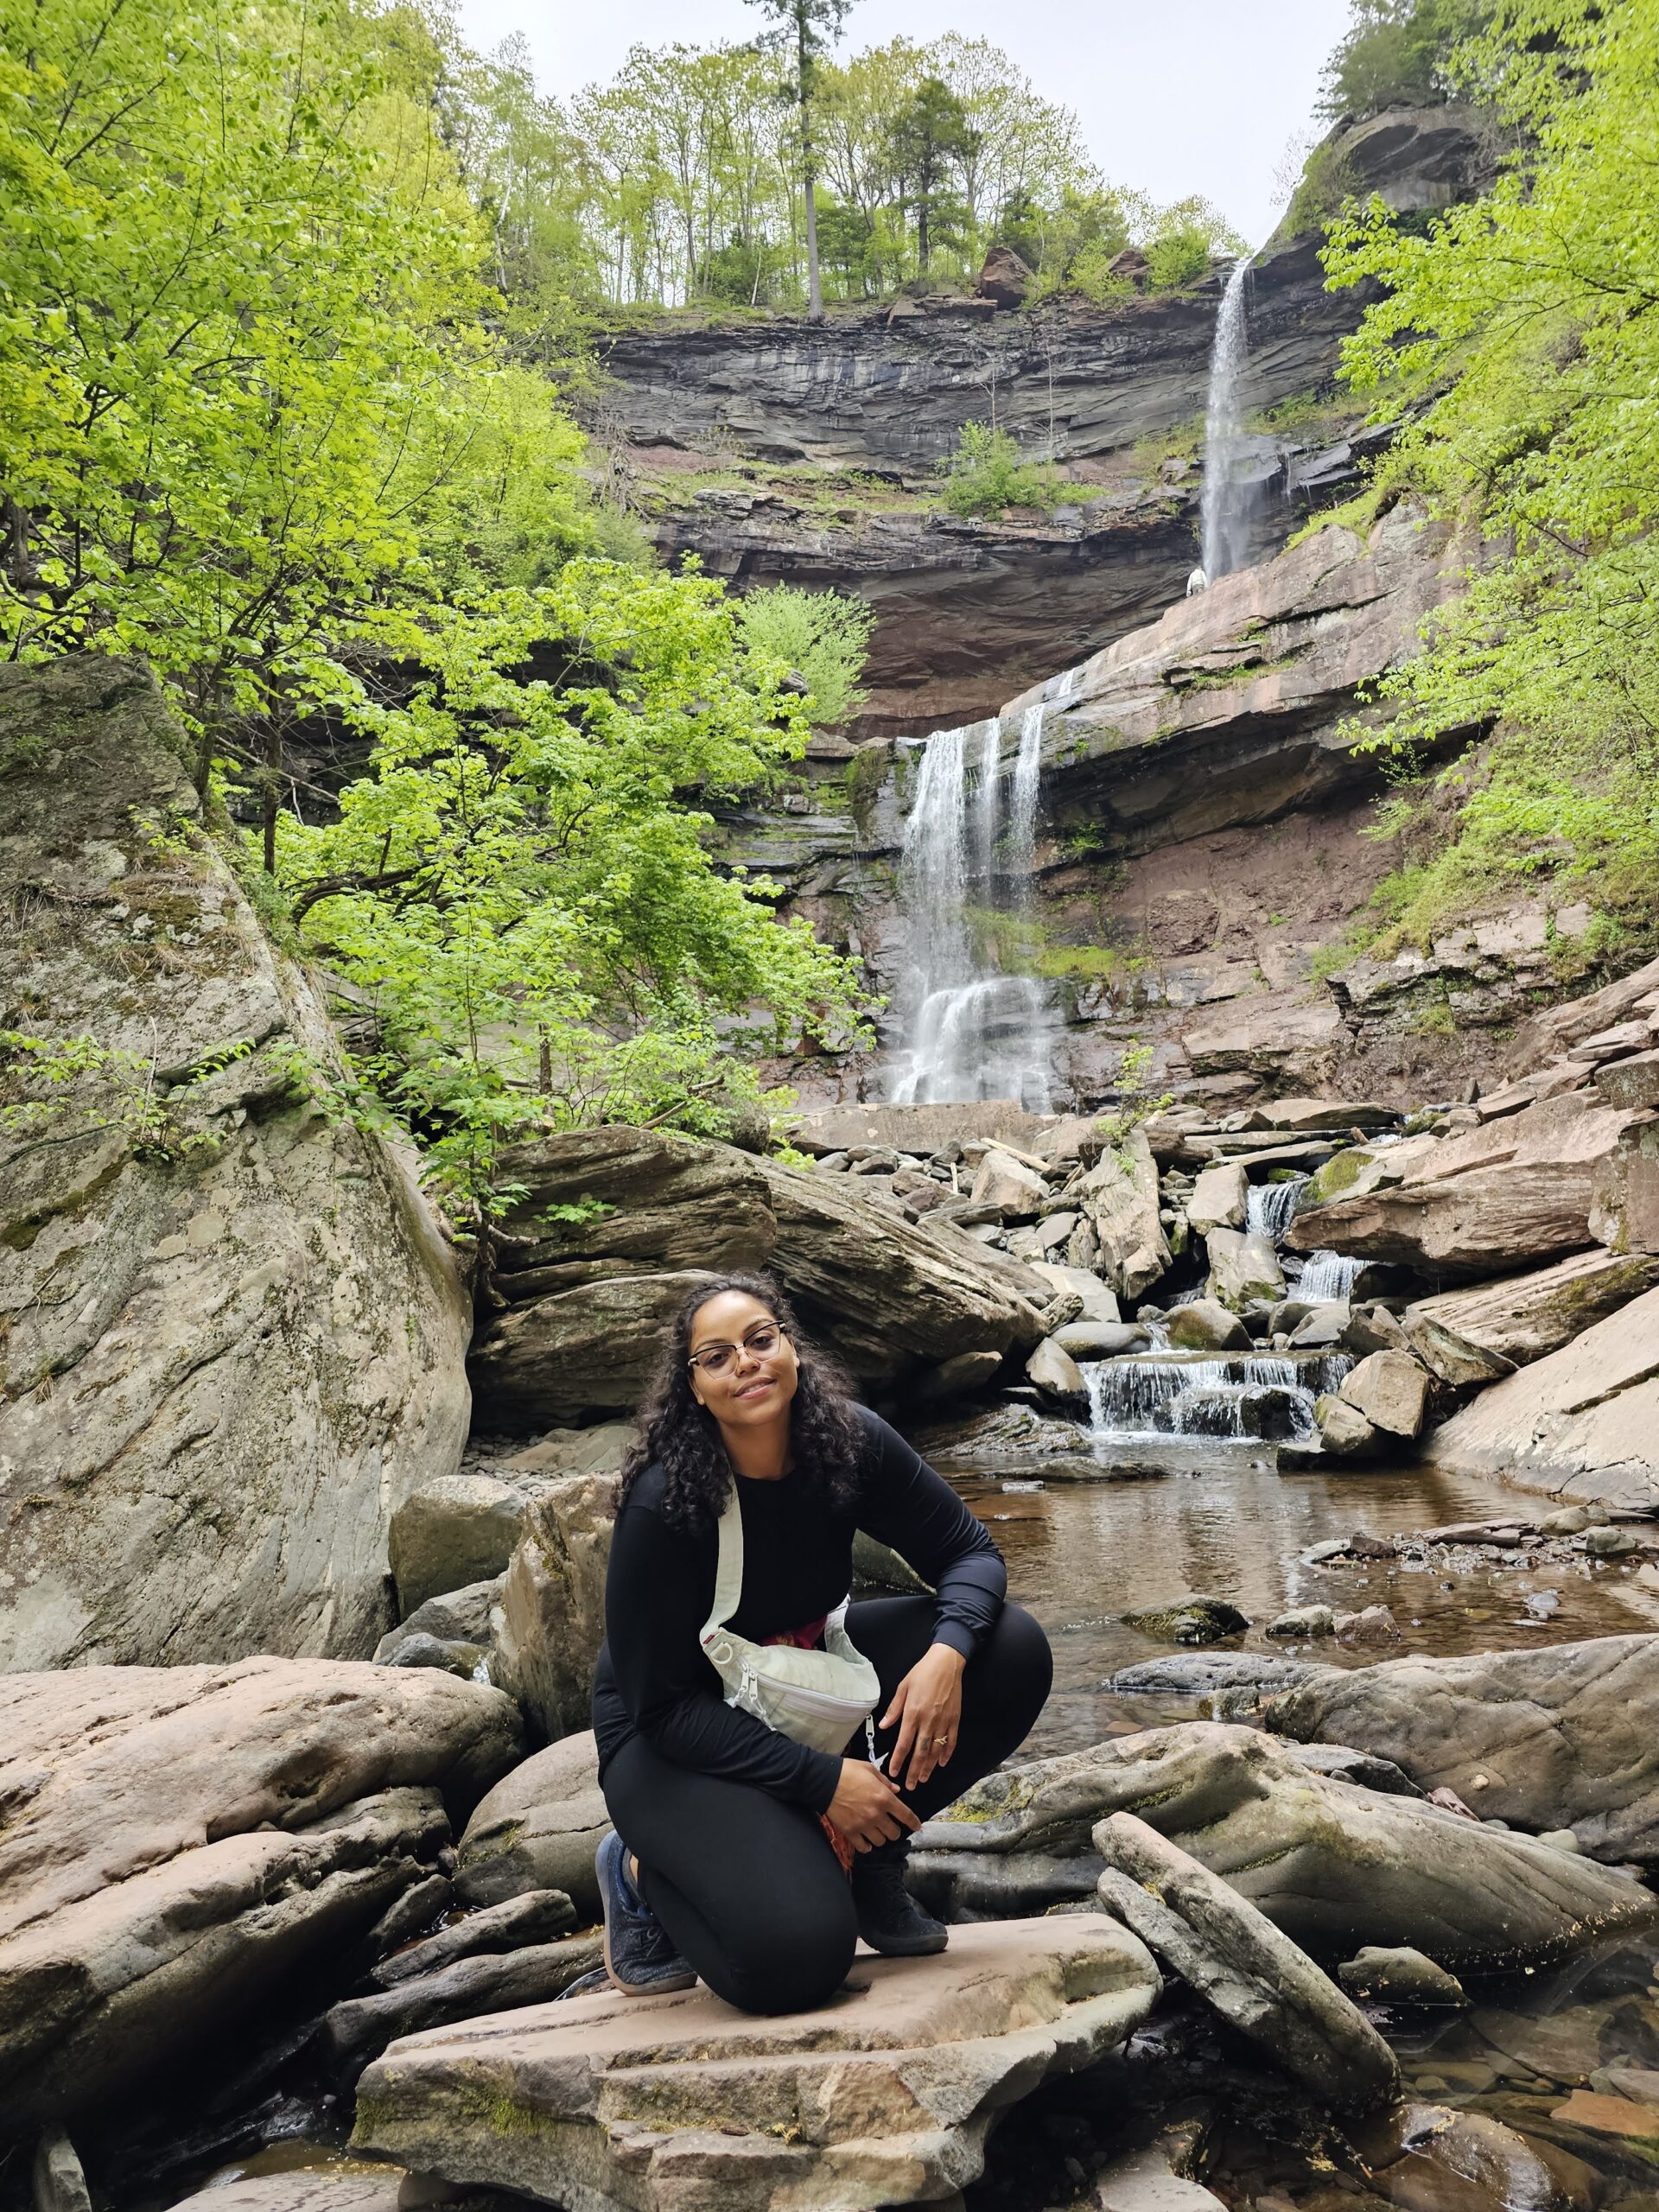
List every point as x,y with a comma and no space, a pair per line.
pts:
1174,96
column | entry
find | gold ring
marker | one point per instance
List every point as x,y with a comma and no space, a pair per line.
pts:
938,1740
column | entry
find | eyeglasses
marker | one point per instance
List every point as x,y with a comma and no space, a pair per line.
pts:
760,1342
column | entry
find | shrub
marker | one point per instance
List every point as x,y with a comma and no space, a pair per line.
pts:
985,474
822,636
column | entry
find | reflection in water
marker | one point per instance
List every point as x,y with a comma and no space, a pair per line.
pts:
1080,1554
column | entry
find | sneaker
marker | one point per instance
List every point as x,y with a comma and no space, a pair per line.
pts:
889,1918
639,1959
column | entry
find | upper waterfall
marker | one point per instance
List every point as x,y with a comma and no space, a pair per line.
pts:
1225,511
972,1030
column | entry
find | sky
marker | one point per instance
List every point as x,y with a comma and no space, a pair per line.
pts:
1174,96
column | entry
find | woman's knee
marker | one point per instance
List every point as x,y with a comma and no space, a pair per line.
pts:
792,1965
1020,1661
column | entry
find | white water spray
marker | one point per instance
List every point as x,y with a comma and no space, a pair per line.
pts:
1224,513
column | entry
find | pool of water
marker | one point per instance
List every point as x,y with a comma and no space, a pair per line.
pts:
1221,1522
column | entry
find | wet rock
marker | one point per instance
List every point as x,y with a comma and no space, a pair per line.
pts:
359,2028
1052,1370
1343,1764
1583,1422
1148,2181
1243,1270
1303,1624
256,1328
884,2097
459,1529
1205,1324
535,1918
1430,2159
1100,1339
1220,1199
552,1616
1401,1976
1190,1620
1120,1194
1609,1543
1524,1317
412,1914
1342,1428
1006,1183
1196,1674
1321,1327
877,1567
183,1839
1237,1960
1374,1626
1566,1735
538,1830
1390,1390
1507,1195
1335,1865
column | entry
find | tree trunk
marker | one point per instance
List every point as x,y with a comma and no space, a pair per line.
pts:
273,776
809,180
921,235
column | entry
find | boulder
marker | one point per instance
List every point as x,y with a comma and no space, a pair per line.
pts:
1099,1301
1004,277
1100,1339
1524,1317
661,1201
538,1830
599,1450
1053,1371
1003,1181
1345,1114
552,1618
1630,1082
1509,1194
1189,1620
1302,1625
1205,1324
1453,1359
1390,1390
1559,1028
1401,1976
579,1352
253,1328
182,1841
1581,1423
453,1617
1243,1270
885,2097
961,1377
1232,1956
534,1916
1152,2180
1120,1194
59,2180
459,1529
1220,1199
1561,1735
1334,1865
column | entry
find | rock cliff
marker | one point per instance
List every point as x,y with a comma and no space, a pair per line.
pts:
230,1336
780,450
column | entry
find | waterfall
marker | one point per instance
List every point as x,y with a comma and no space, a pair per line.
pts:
1175,1396
971,1031
1328,1275
1225,516
1269,1207
1065,684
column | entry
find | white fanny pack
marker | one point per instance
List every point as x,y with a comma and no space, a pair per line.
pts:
817,1698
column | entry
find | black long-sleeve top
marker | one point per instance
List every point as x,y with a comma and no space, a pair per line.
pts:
653,1679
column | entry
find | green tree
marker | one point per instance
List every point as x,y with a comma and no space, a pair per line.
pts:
1518,345
985,474
1397,53
930,137
807,29
824,637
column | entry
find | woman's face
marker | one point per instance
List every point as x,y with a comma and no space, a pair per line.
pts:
742,1380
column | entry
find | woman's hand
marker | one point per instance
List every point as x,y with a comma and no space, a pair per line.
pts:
927,1705
867,1808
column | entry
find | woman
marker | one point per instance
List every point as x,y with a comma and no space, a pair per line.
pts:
741,1856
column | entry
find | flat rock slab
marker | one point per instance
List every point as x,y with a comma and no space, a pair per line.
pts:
349,2188
885,2096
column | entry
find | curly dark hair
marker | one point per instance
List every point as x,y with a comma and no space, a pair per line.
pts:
830,1443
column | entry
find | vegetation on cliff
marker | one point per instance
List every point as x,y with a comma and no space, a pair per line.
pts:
1517,337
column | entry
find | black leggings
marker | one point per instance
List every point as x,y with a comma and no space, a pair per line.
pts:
747,1885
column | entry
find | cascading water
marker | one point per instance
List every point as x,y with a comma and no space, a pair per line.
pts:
971,1031
1226,514
1176,1395
1270,1206
1327,1276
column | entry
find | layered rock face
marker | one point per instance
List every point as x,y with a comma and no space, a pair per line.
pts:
182,1841
883,393
236,1337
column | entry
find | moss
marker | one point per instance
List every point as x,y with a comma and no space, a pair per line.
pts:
1339,1173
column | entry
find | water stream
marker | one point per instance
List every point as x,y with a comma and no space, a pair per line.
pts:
1225,509
971,1028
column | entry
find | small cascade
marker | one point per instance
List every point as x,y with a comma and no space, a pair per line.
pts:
1270,1207
1066,684
1328,1275
1225,511
1251,1396
971,1031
